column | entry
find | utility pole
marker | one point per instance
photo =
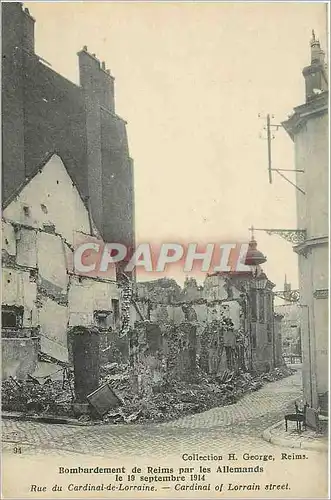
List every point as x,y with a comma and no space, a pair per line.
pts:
269,127
269,147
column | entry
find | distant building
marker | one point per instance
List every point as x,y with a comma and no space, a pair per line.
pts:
42,296
308,127
43,112
279,356
290,329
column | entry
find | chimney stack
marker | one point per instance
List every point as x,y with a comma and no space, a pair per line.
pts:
96,79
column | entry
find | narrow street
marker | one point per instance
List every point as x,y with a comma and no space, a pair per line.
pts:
219,429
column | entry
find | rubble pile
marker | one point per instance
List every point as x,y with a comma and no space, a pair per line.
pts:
181,398
172,401
33,398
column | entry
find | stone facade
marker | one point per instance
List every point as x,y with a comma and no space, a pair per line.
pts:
308,128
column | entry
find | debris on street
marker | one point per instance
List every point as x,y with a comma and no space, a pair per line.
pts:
183,398
32,398
125,406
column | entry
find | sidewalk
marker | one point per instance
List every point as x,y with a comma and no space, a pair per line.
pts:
307,440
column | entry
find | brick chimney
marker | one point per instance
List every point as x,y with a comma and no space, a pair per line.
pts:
17,28
96,79
28,30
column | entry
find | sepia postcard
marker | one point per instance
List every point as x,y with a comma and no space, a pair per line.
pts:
165,250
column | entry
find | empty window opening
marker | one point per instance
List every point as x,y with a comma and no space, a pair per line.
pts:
11,316
116,309
44,208
49,228
33,274
102,319
253,337
26,210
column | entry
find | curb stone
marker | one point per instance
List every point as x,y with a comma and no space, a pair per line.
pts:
289,443
52,419
41,418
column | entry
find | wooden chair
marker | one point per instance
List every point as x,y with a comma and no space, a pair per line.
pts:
299,417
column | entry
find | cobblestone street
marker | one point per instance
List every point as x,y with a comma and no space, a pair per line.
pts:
210,431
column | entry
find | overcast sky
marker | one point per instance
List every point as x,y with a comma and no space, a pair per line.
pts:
191,79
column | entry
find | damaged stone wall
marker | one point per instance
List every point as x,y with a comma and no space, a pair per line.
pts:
180,349
19,289
228,337
161,355
87,295
147,359
40,280
38,237
37,280
263,332
200,312
212,356
19,357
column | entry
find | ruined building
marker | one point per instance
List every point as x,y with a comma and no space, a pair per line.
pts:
232,315
43,112
254,309
66,174
308,128
43,298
